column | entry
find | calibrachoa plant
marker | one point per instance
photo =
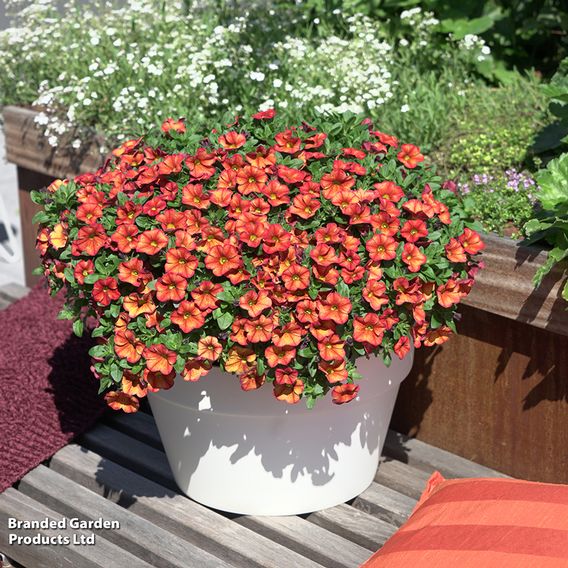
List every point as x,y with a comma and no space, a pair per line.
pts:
281,254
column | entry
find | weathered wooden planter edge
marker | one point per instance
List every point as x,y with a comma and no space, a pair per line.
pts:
504,287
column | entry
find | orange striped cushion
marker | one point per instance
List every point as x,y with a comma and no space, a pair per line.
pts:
482,523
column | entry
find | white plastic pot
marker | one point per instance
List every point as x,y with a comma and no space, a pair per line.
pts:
248,453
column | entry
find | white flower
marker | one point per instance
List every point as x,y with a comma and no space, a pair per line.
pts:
41,119
76,144
404,108
257,76
52,141
486,50
277,83
87,102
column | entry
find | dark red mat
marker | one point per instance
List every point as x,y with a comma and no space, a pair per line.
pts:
47,392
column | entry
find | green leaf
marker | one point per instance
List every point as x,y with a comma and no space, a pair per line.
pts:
553,182
565,291
225,320
462,26
260,367
99,351
41,217
116,373
554,256
78,327
342,288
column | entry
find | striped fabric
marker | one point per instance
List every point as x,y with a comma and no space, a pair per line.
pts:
482,523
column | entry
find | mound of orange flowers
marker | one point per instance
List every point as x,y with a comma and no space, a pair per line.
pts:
280,253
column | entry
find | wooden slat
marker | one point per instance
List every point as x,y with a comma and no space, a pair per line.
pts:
175,513
309,539
130,453
104,554
426,457
386,504
136,535
27,147
401,477
355,525
140,426
505,287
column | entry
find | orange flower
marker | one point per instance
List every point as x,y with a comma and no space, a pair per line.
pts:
42,241
193,195
389,190
368,329
344,393
209,348
306,311
335,308
251,179
336,181
289,392
159,359
287,142
414,230
171,220
410,155
89,212
126,346
331,348
455,252
152,242
132,272
240,360
279,355
296,278
58,237
276,192
386,224
181,262
122,401
132,385
324,255
232,140
288,336
437,336
335,371
157,380
255,302
413,257
82,269
188,317
171,287
449,293
304,206
402,347
125,238
195,369
251,380
137,304
375,293
259,330
471,241
381,247
105,291
173,125
276,239
252,233
91,239
222,259
201,164
205,295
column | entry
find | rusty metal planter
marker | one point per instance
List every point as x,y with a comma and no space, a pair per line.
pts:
496,394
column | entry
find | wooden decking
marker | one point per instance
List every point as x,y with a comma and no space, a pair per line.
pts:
119,472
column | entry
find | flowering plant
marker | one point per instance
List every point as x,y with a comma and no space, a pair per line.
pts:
281,254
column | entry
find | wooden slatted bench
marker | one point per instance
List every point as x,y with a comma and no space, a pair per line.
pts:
118,471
